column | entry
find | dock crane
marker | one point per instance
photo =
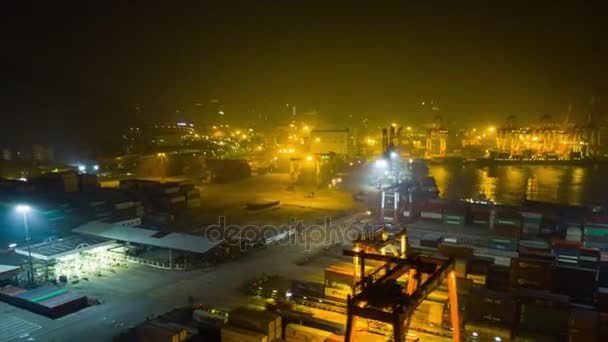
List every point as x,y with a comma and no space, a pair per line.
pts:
377,295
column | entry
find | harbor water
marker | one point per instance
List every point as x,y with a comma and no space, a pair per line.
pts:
571,184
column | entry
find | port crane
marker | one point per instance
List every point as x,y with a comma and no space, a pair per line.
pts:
377,295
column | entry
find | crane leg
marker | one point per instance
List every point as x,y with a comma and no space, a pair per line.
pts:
453,294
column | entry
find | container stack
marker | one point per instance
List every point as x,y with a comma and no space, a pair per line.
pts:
566,252
455,214
507,223
548,314
498,278
492,311
534,246
259,324
531,223
571,219
432,211
338,281
233,334
477,271
480,214
503,243
300,333
578,283
531,273
159,331
584,325
595,233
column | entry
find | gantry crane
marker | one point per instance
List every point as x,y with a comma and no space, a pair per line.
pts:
377,295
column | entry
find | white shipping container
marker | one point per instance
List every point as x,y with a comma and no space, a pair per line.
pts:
431,215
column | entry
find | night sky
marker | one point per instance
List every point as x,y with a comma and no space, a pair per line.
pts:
75,73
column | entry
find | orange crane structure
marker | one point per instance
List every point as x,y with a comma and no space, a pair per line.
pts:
377,295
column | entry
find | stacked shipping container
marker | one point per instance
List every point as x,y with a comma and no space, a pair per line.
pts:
263,322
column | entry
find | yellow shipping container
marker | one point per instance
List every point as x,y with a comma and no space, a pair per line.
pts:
300,333
234,334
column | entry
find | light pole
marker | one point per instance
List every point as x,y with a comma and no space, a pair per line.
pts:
24,209
162,157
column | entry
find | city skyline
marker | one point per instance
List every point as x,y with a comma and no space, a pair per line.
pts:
78,68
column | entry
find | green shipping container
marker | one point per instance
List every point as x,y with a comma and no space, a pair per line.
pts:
508,222
596,231
453,219
538,244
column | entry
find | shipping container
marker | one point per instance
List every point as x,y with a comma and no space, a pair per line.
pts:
544,320
535,244
152,333
453,220
578,283
431,240
574,232
261,321
300,333
236,334
429,313
454,250
583,325
595,231
589,258
502,243
492,307
477,270
480,214
509,232
601,246
530,273
498,278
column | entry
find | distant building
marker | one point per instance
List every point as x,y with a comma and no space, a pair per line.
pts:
42,154
327,141
36,153
149,138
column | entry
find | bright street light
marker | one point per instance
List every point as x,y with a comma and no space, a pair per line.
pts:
24,209
381,163
309,158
